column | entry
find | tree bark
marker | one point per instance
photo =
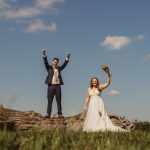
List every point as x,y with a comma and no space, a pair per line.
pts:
29,120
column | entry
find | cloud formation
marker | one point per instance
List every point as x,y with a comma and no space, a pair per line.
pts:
39,26
116,43
45,4
11,9
139,37
114,93
3,5
7,11
27,12
147,57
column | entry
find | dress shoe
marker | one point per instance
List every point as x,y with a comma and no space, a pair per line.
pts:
47,116
60,116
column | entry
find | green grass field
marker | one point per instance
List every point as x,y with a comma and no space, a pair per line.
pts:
64,140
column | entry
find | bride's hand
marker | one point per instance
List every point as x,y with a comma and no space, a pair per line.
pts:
105,68
84,109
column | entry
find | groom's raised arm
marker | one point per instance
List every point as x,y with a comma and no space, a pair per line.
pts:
47,66
65,63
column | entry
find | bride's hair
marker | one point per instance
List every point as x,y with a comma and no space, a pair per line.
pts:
91,85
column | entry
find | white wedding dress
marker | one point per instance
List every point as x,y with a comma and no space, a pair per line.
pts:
97,118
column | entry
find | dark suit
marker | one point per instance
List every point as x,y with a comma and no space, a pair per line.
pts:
54,89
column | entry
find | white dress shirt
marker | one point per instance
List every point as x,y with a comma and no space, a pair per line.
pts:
55,79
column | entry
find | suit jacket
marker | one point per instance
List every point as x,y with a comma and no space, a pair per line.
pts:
50,71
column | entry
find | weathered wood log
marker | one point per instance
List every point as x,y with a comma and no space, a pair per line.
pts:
29,120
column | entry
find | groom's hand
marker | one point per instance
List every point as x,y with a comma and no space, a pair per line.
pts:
43,52
68,56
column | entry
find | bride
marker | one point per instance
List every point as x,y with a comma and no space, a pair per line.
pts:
97,118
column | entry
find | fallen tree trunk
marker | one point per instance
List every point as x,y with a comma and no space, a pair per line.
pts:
29,120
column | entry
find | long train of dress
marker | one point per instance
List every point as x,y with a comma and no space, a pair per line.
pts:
97,118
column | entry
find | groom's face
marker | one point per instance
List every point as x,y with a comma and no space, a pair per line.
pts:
55,63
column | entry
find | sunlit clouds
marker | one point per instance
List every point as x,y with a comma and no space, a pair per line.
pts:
39,25
33,14
147,57
116,43
113,93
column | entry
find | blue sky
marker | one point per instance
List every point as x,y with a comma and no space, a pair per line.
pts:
95,32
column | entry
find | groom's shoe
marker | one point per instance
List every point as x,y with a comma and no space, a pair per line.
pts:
60,116
47,116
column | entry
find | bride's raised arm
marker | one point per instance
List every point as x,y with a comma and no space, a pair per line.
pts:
105,85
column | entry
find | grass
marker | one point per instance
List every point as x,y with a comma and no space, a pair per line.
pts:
61,139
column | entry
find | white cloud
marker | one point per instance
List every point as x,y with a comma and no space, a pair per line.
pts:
116,43
9,11
44,4
114,93
147,57
140,37
21,13
3,5
39,26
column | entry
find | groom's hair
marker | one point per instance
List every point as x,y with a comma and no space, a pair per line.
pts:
92,80
56,59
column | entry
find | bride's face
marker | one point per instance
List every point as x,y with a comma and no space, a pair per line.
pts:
94,82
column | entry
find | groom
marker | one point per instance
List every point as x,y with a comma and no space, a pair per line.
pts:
54,82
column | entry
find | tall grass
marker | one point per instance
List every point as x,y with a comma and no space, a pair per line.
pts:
61,139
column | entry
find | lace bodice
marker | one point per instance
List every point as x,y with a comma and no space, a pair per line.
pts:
94,92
